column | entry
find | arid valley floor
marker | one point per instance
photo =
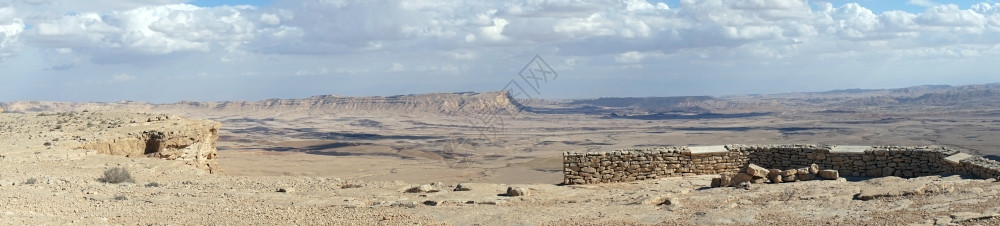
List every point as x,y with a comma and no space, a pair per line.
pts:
397,160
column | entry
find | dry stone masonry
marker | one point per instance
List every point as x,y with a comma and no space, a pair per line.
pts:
625,165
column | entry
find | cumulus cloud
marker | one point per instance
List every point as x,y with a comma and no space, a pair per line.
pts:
11,28
151,30
579,28
395,37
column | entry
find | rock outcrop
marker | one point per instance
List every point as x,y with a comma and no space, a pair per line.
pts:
137,135
166,137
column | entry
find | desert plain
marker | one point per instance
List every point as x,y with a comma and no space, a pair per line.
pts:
450,159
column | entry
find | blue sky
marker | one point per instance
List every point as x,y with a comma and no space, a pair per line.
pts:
171,50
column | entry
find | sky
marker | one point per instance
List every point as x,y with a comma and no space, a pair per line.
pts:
164,51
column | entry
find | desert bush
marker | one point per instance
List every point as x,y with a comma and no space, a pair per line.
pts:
31,181
117,175
346,186
153,184
121,197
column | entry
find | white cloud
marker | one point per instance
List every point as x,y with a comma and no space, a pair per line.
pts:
629,57
271,19
395,37
11,28
122,77
397,67
153,30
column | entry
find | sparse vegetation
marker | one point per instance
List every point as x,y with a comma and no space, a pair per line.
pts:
121,197
346,186
117,175
152,185
31,181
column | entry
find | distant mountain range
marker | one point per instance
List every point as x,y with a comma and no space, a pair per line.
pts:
966,96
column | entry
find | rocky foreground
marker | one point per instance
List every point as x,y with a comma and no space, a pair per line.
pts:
52,171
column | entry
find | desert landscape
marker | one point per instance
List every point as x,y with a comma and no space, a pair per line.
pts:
479,159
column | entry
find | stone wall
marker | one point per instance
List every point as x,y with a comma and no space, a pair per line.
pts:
627,165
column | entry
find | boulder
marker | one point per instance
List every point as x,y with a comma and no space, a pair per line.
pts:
741,177
757,171
787,173
725,180
829,174
802,171
517,191
775,179
773,172
813,169
790,178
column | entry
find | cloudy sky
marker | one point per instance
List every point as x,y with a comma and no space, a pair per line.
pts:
204,50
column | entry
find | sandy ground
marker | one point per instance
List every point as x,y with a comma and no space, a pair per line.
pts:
356,169
425,149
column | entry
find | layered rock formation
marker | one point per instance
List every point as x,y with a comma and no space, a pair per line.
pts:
114,133
193,143
442,103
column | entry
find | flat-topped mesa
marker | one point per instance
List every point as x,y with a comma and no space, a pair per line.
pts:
624,165
165,137
500,102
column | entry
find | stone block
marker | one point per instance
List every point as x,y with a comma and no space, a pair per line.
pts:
741,177
813,169
790,178
757,171
789,172
775,178
801,171
829,174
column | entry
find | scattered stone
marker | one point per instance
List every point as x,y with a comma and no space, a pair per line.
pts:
422,189
286,190
431,203
407,204
744,185
517,191
970,216
716,182
942,220
789,172
897,191
462,187
829,174
813,169
773,172
790,178
757,171
776,179
741,177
